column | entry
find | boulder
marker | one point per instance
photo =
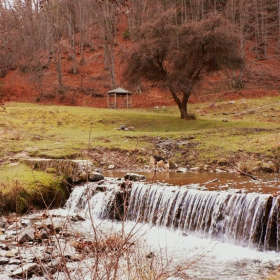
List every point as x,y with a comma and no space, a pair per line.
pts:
134,177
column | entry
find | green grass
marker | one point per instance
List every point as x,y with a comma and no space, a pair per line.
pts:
60,131
222,129
23,189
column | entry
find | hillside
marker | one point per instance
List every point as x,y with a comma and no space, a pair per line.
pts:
89,86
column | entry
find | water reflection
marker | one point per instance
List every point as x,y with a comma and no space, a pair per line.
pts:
266,183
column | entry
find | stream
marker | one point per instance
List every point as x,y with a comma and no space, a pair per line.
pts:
204,226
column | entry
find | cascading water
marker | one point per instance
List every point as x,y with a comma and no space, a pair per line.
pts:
249,220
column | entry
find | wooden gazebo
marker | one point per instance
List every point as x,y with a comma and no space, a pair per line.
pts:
124,98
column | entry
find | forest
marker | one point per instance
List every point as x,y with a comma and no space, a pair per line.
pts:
68,48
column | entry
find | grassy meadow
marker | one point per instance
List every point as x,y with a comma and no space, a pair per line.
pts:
221,130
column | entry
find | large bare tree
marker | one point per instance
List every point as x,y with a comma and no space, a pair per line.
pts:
178,55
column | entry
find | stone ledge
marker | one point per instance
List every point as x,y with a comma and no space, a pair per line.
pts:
75,171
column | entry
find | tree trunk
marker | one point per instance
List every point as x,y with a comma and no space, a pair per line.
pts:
182,105
58,65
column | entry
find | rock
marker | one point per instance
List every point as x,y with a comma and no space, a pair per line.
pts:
10,233
182,170
43,234
4,260
11,254
77,218
14,261
6,276
95,177
222,162
26,236
150,255
25,271
14,226
25,223
101,189
4,247
63,249
218,170
206,167
58,229
267,167
3,222
195,169
80,177
111,167
75,171
134,177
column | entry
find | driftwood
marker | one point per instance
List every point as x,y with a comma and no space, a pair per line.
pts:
244,173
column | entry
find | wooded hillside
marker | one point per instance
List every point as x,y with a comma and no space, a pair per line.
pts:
72,52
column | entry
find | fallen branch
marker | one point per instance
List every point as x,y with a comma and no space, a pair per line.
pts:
244,173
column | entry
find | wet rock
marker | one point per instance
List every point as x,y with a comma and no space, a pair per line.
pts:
182,170
95,177
80,177
134,177
101,189
218,170
195,169
77,218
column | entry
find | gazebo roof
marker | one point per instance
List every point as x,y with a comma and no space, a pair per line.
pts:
119,91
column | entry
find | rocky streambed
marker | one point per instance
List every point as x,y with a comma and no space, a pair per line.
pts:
78,243
54,244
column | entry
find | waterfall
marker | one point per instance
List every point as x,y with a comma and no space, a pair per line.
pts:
91,200
249,220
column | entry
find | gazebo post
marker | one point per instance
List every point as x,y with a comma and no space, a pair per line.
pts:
119,92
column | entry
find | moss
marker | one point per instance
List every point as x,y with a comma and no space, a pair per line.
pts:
23,189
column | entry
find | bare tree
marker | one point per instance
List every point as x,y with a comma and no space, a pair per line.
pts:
70,9
177,56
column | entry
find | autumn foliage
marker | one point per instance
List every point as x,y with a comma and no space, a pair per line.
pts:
71,52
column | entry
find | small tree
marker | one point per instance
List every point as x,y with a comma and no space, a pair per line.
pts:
178,55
